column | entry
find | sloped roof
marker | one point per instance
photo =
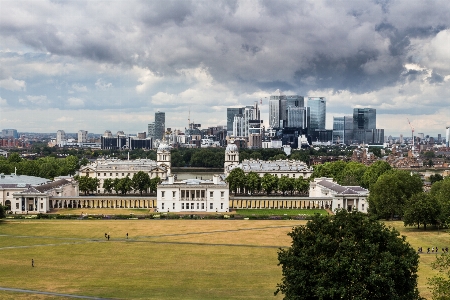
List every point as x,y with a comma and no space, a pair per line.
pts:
343,190
50,186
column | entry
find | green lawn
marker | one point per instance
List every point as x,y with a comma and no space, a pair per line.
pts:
162,259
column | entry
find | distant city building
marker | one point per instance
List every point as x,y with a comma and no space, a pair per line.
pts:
151,130
447,136
277,102
61,138
342,129
287,111
82,136
141,135
231,112
364,127
160,125
318,111
10,133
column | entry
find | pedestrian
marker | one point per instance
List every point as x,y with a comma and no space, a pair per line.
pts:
127,235
108,237
428,250
436,249
32,263
432,249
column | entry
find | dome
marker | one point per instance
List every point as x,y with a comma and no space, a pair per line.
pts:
231,147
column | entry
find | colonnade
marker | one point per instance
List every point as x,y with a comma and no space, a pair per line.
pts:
280,204
102,203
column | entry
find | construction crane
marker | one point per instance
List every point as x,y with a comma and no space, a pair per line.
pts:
412,134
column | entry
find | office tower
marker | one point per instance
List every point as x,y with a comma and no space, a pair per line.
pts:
298,117
401,138
250,118
364,118
160,125
151,130
439,138
342,129
295,101
231,112
317,106
276,108
447,136
82,136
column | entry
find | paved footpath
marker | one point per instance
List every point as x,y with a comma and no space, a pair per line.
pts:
50,293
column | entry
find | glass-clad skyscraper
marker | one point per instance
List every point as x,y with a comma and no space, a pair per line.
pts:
364,118
160,125
317,106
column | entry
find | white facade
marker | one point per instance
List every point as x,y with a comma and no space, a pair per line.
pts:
193,195
447,136
82,136
342,197
61,138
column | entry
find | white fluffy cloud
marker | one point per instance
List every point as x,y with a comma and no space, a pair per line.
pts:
12,84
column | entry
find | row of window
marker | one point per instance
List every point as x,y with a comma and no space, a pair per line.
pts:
191,206
186,194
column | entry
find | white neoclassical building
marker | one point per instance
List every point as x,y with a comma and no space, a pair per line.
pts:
342,197
193,195
115,168
286,167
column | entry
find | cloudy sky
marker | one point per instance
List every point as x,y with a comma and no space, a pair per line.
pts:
110,65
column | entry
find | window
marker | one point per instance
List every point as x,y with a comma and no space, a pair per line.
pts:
173,194
211,194
162,205
17,205
173,206
339,206
203,205
192,205
222,194
42,205
221,205
362,206
104,174
123,174
7,193
198,205
98,174
211,206
162,194
182,205
110,174
117,174
293,175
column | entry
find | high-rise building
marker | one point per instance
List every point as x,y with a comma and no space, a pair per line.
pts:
342,129
364,118
82,136
317,106
280,112
151,130
364,127
277,103
61,138
231,112
160,125
298,117
447,136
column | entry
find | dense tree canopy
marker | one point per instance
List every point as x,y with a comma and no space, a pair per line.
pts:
390,193
440,284
140,181
348,256
440,190
421,209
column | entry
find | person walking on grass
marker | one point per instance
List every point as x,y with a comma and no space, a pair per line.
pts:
32,263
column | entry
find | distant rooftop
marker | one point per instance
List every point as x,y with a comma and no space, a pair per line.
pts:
22,180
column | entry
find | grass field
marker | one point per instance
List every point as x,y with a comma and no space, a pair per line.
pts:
162,259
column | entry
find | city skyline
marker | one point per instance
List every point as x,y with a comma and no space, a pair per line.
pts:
63,65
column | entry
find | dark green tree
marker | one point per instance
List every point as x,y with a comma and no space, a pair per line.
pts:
392,190
141,181
269,183
421,209
2,211
348,256
435,178
440,284
374,171
329,169
352,174
301,185
108,185
116,185
236,180
441,191
252,182
125,185
154,184
285,184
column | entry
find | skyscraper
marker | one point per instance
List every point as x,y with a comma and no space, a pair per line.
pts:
151,130
160,125
342,129
447,136
364,118
231,112
280,112
82,136
317,106
276,108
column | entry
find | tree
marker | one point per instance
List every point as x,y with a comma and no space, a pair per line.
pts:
236,180
348,256
423,209
116,185
2,211
108,185
374,171
285,184
141,181
441,191
440,285
253,182
269,183
87,184
352,174
301,185
154,184
125,185
392,190
329,169
435,178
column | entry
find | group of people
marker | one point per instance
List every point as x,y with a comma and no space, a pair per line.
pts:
433,250
107,236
